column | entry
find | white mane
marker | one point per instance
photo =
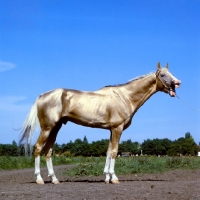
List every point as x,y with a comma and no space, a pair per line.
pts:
140,77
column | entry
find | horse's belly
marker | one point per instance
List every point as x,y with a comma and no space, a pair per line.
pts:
90,123
97,119
89,118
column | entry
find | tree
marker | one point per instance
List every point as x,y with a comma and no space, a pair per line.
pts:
99,148
10,149
57,148
129,146
187,135
184,146
189,146
85,147
156,146
85,140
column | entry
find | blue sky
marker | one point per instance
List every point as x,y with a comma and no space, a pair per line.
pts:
87,44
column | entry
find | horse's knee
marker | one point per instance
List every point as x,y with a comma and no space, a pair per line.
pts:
114,154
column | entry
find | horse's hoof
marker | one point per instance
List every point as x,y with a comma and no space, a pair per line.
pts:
116,181
107,181
40,182
56,181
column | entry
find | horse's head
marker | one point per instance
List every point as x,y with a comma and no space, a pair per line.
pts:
166,82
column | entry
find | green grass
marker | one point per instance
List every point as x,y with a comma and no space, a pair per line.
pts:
8,162
93,166
21,162
135,165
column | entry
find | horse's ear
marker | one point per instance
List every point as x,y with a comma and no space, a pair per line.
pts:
167,66
158,65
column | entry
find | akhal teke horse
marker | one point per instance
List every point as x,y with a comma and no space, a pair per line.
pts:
111,107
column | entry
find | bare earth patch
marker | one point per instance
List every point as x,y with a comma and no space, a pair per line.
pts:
177,184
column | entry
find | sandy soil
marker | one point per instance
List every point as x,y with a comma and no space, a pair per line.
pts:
178,184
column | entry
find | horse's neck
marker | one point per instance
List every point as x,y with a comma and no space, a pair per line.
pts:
141,90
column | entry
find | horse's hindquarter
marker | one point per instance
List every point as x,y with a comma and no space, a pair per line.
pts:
49,108
94,109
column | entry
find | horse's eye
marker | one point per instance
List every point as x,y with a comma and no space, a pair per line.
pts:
162,74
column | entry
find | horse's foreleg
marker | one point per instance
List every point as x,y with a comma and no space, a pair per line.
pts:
108,159
109,170
112,171
106,168
112,154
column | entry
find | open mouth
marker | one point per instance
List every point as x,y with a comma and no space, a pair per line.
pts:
172,91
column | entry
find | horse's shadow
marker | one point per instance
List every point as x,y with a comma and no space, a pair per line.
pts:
98,181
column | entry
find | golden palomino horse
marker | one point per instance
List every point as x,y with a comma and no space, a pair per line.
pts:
111,107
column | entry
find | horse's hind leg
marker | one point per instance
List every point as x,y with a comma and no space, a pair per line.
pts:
48,151
37,151
47,137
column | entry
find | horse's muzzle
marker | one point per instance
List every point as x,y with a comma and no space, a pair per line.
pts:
176,83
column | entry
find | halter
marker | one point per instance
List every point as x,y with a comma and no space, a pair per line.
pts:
166,87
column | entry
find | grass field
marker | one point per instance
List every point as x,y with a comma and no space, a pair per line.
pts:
93,166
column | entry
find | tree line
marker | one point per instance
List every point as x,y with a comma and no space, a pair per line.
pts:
182,146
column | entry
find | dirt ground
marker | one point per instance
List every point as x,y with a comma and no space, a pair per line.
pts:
178,184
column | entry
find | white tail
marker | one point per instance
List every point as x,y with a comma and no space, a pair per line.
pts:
29,125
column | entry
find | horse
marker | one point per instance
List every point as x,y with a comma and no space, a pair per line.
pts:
111,108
